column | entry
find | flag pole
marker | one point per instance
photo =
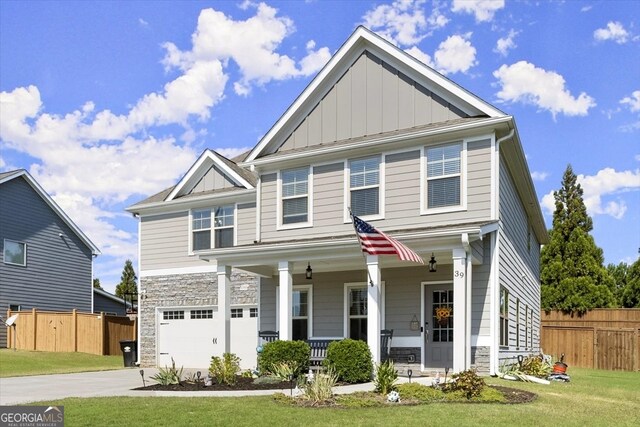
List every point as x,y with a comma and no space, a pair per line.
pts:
360,243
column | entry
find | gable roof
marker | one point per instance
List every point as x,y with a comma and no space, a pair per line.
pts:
360,41
8,176
207,159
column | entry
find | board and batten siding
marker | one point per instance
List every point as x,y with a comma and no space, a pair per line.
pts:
519,264
214,179
370,98
58,274
401,198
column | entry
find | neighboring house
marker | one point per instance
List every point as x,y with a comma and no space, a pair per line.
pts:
47,261
104,302
410,152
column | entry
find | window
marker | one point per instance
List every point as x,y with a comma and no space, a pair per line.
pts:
201,314
15,307
253,312
301,301
531,328
357,312
173,315
518,322
364,185
236,313
295,196
443,327
15,252
504,316
444,176
222,228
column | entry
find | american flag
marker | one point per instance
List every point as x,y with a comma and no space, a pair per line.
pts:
375,242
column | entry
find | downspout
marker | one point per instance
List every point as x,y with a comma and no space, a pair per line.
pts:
258,205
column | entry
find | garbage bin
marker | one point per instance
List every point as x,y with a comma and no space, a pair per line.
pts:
129,352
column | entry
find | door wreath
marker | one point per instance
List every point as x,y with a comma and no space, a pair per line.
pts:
443,314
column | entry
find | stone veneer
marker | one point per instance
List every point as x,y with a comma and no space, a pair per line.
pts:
480,359
185,290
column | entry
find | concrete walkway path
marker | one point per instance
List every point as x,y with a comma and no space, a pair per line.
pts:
20,390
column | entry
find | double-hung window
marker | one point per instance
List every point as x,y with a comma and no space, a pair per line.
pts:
222,227
295,196
357,312
15,252
300,310
504,316
444,176
364,186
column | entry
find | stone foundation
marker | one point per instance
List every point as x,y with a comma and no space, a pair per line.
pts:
480,359
404,354
185,290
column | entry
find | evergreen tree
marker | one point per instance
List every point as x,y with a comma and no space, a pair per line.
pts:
572,273
630,295
619,274
96,283
128,279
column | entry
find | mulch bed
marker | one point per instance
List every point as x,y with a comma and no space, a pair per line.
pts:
514,395
242,383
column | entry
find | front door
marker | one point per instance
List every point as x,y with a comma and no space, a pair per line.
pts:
438,326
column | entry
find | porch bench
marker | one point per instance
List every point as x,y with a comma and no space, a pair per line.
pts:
318,351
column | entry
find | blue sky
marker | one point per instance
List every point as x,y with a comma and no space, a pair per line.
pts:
105,103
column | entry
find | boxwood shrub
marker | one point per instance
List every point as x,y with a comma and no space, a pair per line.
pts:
351,360
294,353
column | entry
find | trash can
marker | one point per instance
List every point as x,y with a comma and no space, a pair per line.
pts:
129,352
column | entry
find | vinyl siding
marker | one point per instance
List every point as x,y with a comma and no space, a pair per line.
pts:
58,272
370,98
519,266
245,228
401,198
102,304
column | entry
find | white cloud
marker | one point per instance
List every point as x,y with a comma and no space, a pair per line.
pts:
524,82
632,102
455,54
505,44
539,176
420,56
482,9
404,22
614,31
606,183
143,23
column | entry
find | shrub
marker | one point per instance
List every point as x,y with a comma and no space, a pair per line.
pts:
285,370
167,376
386,377
350,359
536,366
294,353
420,393
467,382
224,369
321,388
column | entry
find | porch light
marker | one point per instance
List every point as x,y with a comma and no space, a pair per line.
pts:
433,265
309,272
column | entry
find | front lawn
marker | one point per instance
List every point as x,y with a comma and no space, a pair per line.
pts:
21,363
594,398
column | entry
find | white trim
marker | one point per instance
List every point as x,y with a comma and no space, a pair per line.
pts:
212,227
481,341
258,208
24,244
279,211
309,288
363,39
424,210
53,205
200,168
494,178
192,202
494,304
208,268
381,188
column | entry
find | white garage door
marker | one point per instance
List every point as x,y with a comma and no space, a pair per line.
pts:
190,336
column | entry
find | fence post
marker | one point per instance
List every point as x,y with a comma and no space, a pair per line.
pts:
74,328
34,315
9,331
103,332
595,348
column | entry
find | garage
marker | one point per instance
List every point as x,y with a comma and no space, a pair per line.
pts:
189,336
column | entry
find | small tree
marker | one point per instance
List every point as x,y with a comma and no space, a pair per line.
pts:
128,279
630,295
96,283
572,274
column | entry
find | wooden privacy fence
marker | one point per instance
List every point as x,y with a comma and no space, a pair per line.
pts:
95,333
601,338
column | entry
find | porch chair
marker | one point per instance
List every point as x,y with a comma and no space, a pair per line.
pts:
385,344
268,336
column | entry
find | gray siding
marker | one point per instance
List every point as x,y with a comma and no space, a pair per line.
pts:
214,179
102,304
58,271
246,226
519,264
401,197
370,98
481,291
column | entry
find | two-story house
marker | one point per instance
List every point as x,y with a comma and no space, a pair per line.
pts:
47,261
407,150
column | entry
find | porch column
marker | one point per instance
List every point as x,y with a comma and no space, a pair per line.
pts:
224,308
373,307
284,298
459,310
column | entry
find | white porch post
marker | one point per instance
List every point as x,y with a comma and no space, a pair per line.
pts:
373,307
459,310
285,299
469,301
224,307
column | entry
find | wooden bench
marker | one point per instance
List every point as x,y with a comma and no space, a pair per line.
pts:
318,350
268,336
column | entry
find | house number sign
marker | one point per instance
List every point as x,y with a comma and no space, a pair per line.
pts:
458,273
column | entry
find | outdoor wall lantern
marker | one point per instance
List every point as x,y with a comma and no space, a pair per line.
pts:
433,265
309,272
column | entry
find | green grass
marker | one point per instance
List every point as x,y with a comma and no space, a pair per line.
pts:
21,363
594,398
